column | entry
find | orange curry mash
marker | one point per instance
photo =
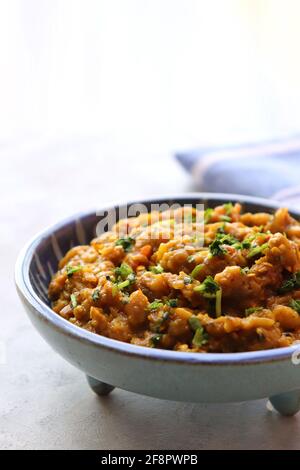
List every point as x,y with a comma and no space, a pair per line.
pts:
235,289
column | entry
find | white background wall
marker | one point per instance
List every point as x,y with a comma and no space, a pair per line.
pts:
157,73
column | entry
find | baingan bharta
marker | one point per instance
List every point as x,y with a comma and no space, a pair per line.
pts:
217,280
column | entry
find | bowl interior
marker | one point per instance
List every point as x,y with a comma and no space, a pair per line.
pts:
52,247
49,248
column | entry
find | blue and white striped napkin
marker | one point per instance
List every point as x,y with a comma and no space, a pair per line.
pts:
269,169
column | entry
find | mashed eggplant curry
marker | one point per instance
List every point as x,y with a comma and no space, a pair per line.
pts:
153,281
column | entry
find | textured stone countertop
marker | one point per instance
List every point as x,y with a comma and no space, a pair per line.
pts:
44,401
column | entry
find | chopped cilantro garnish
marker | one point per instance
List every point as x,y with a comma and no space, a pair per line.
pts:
200,337
159,303
123,284
295,305
251,310
155,305
255,235
216,247
158,269
208,288
229,239
196,270
225,218
219,303
72,269
114,290
194,322
246,244
228,207
128,282
155,339
208,215
124,276
172,303
257,250
123,271
73,301
290,284
125,242
96,295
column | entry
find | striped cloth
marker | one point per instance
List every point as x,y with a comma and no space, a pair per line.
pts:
269,169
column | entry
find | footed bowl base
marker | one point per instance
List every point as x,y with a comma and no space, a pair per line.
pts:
100,388
287,404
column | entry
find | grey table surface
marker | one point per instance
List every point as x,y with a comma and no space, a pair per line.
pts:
45,403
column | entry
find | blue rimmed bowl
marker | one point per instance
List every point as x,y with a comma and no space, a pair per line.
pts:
159,373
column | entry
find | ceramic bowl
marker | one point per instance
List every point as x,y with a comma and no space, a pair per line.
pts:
171,375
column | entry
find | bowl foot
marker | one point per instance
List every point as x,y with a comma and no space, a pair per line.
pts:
100,388
287,404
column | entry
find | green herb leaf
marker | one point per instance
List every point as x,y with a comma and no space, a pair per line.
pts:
123,271
228,207
200,337
155,340
73,301
96,295
246,244
295,305
194,323
158,269
208,215
172,303
219,303
126,243
225,218
128,282
257,250
123,284
290,284
251,310
197,270
208,288
114,290
216,247
155,305
72,269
